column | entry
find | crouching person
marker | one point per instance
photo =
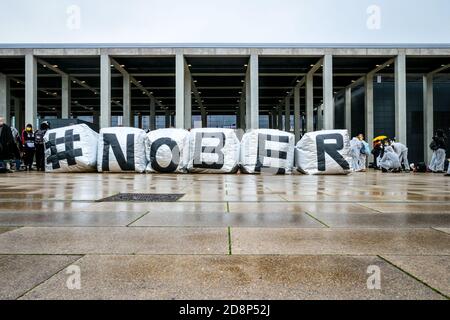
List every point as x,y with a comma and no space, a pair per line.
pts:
402,151
438,145
390,161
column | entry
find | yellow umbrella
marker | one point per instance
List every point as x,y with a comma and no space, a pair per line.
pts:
380,138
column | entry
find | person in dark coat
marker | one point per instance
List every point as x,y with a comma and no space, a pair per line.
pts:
6,143
40,146
28,146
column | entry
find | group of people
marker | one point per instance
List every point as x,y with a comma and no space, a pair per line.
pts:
20,150
392,156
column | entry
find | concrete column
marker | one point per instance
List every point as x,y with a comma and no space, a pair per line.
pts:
204,119
280,119
319,123
242,114
274,119
348,110
328,105
126,120
152,118
428,116
248,110
30,89
66,101
287,113
309,102
179,91
187,99
96,118
140,121
368,107
5,99
19,114
254,92
105,91
400,98
167,118
297,119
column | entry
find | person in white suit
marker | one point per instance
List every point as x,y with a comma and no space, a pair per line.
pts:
402,151
390,161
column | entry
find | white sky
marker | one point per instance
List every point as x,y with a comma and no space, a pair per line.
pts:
230,21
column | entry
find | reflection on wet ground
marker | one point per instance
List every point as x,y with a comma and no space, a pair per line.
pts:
229,236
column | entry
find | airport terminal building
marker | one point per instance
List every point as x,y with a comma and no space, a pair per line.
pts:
401,91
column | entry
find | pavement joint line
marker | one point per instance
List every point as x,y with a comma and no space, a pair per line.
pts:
318,220
435,229
230,252
58,271
364,206
413,276
138,218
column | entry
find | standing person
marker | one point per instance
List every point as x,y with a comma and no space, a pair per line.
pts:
28,146
402,151
6,144
365,152
438,145
355,152
40,147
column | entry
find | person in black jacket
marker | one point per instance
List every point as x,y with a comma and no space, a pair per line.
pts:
40,147
28,146
6,143
439,146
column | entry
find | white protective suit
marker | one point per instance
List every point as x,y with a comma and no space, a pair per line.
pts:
355,153
437,160
390,159
402,151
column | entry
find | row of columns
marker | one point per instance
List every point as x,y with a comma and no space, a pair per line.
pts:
249,106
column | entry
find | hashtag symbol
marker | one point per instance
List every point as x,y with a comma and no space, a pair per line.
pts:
68,154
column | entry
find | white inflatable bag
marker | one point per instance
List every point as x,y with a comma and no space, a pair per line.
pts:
71,149
267,151
167,150
324,152
213,150
121,149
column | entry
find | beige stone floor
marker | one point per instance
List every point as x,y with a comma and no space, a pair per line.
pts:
228,237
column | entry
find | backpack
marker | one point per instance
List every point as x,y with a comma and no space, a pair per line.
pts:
421,167
39,137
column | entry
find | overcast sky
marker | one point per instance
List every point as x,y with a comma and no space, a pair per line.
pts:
230,21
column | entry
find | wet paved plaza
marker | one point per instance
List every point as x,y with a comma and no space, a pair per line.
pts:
228,237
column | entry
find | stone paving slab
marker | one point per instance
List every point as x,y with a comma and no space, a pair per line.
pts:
402,207
85,219
21,273
232,277
6,229
228,219
446,230
298,207
118,240
385,220
339,241
432,270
